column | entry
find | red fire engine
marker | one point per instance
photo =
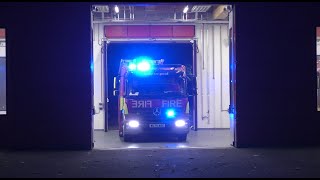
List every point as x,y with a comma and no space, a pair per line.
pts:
152,99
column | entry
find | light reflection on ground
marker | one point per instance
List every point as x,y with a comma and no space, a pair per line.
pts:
196,139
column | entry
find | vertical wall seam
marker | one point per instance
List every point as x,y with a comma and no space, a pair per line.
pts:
202,59
213,76
98,33
207,78
212,93
202,33
220,77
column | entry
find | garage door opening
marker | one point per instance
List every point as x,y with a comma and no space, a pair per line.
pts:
197,37
171,53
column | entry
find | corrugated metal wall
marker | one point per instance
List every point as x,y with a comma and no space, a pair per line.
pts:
213,76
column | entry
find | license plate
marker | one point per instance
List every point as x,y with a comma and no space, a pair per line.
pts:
157,125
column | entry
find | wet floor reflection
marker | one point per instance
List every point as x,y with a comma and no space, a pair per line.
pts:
195,139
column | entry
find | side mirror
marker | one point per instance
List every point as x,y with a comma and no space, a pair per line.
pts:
116,86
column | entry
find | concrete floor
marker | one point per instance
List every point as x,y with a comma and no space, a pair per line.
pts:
204,138
162,163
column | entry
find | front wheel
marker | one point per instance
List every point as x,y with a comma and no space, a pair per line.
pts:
121,130
120,133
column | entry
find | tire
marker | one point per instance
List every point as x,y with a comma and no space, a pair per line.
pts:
182,137
120,133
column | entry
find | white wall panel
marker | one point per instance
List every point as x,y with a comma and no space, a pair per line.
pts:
99,122
200,59
225,76
2,48
213,76
318,47
217,74
210,75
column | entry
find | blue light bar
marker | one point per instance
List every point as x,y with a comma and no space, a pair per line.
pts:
144,66
132,67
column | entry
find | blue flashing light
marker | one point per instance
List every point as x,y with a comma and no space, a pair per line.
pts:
232,116
170,113
91,66
141,66
143,58
132,66
144,66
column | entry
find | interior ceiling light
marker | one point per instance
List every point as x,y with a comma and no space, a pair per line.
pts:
116,9
185,10
200,8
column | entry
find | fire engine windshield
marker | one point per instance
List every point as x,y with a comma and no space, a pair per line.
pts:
169,85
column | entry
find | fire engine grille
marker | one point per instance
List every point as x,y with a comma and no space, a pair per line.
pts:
153,114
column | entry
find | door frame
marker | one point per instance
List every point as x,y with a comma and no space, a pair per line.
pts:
232,75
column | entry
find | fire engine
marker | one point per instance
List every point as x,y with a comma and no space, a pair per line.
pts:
152,99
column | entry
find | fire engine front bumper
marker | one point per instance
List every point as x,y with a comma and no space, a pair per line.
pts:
165,128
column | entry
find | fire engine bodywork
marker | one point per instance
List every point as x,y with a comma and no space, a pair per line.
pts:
158,113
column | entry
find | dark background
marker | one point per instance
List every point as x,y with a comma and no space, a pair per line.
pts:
172,53
49,92
276,74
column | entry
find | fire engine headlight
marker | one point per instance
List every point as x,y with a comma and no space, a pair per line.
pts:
180,123
133,123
